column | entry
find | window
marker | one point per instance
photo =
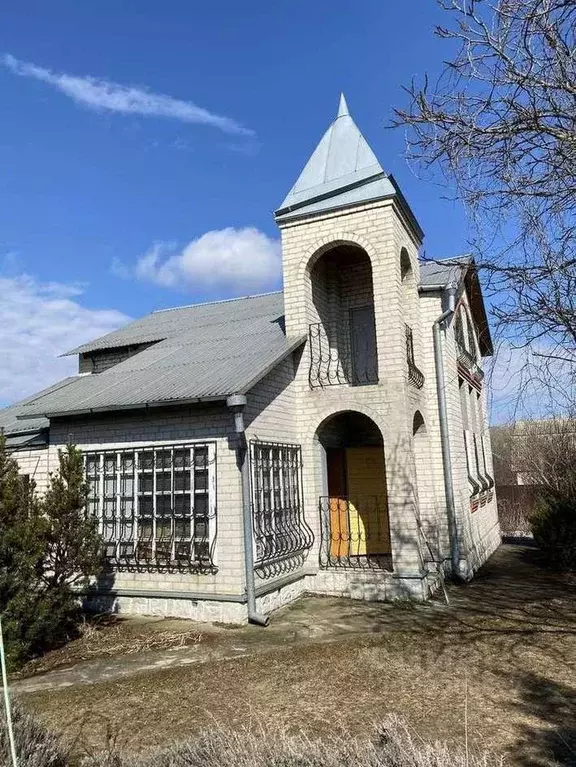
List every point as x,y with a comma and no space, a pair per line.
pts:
471,337
155,505
468,425
281,535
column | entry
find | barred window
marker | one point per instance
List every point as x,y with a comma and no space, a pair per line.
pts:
155,505
282,537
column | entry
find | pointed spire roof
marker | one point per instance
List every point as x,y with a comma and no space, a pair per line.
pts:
341,164
343,107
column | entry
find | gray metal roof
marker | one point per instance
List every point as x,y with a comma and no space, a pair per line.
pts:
343,170
439,274
461,272
30,429
171,323
209,351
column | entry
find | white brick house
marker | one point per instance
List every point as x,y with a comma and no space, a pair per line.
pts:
339,428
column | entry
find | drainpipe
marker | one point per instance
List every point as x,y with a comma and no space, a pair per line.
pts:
444,433
237,403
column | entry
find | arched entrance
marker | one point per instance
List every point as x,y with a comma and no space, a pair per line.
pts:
343,337
355,530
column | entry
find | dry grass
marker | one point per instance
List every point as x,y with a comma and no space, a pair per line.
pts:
509,639
109,636
391,745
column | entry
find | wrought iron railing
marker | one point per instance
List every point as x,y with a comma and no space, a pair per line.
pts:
415,375
332,364
155,506
355,533
467,360
282,536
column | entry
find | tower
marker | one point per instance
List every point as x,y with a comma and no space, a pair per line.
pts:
349,249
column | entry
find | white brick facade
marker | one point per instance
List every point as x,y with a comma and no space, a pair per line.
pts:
284,408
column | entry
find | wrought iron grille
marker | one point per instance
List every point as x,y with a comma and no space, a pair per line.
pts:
486,472
415,375
333,364
156,506
282,536
468,361
355,533
475,487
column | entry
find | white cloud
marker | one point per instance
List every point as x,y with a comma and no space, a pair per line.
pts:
230,260
105,95
39,321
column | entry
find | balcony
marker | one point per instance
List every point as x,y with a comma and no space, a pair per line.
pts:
339,360
354,533
467,362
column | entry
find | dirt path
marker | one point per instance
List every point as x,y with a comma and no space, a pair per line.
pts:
504,651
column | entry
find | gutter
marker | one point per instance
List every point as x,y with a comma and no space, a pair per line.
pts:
450,293
195,596
237,404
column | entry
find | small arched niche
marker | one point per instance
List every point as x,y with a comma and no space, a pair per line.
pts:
405,266
421,459
343,332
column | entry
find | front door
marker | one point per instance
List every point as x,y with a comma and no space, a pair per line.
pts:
357,502
363,345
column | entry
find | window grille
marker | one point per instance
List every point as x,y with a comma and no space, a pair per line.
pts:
156,506
282,537
354,533
415,375
466,349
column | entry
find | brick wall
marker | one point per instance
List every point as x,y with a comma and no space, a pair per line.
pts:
99,361
168,425
479,531
37,463
391,402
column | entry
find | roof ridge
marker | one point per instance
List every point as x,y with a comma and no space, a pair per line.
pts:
219,301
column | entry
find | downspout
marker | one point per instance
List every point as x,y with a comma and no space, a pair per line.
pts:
237,404
444,433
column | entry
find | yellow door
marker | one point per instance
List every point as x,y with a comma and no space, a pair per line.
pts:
368,518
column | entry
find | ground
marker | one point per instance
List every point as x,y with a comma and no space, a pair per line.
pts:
497,663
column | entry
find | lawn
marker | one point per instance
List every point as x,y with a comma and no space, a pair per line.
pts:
499,664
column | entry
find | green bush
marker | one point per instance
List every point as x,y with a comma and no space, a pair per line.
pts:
47,546
553,525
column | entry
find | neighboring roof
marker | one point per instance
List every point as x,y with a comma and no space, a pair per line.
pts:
209,351
33,431
461,272
343,170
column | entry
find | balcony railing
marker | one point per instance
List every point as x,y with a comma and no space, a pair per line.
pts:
332,364
415,375
469,363
354,533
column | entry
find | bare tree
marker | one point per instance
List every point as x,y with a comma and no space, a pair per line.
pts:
499,125
544,454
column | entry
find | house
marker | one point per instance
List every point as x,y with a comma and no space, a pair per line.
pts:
329,439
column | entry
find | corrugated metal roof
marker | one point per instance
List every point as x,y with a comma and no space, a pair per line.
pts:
9,422
170,323
209,352
441,273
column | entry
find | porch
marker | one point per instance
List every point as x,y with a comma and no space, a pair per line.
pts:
353,507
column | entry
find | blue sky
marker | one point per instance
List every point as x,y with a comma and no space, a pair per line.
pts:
130,130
